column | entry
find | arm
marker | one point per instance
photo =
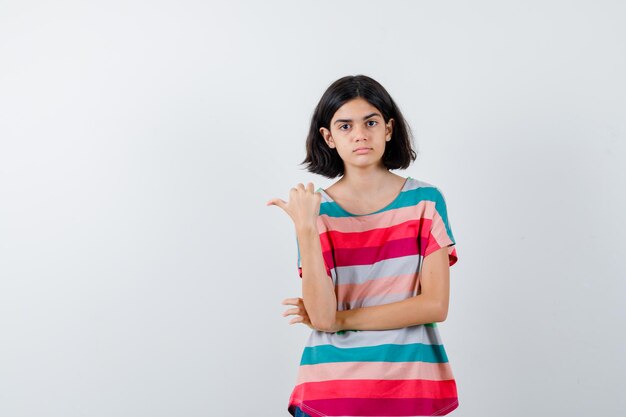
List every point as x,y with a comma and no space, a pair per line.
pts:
318,292
430,306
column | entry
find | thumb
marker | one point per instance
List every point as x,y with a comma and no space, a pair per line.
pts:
277,202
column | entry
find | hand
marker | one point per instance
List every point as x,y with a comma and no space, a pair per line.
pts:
303,206
300,310
303,317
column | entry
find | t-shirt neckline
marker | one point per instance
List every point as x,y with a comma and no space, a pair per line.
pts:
406,182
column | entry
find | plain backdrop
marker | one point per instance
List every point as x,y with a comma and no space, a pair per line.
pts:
141,273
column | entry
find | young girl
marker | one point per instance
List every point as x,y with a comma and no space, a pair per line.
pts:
374,252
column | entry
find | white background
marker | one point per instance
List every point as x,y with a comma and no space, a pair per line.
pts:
141,273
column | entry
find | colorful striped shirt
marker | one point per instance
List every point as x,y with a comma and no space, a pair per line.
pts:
376,259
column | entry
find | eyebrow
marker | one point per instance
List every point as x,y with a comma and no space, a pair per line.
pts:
350,120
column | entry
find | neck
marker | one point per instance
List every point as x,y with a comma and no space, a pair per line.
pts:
361,183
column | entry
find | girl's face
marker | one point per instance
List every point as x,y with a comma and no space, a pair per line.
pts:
359,133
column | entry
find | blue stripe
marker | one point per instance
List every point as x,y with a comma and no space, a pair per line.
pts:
413,352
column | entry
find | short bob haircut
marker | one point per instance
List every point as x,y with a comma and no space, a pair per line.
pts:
325,161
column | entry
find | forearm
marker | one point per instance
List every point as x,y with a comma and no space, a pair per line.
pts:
410,312
318,292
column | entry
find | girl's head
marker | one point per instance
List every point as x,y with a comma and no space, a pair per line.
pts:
356,111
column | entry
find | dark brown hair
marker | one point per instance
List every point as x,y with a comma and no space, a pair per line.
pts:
325,161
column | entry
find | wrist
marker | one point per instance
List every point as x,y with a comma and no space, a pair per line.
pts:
308,229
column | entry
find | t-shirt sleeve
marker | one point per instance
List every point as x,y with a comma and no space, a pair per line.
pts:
440,234
323,255
299,259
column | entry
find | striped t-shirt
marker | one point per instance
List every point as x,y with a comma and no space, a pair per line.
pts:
376,259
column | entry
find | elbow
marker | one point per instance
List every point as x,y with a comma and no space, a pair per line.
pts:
324,324
441,312
442,316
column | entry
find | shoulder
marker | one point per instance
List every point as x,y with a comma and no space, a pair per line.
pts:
424,190
428,197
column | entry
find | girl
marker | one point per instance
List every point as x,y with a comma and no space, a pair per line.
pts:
374,252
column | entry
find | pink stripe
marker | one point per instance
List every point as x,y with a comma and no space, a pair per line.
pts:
439,238
439,235
353,293
424,210
374,370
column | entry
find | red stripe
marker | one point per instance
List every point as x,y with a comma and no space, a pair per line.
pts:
370,255
377,237
375,388
366,248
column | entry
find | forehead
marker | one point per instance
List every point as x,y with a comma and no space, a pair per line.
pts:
355,109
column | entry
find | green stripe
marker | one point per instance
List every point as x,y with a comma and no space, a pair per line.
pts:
413,352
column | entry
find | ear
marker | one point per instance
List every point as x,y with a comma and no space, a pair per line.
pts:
389,128
327,137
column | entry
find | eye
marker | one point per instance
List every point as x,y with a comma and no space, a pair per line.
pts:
341,127
372,121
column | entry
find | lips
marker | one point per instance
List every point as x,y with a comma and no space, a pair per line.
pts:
361,148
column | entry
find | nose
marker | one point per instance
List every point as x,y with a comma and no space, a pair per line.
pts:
359,133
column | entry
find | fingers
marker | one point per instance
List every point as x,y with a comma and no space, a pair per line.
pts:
300,186
291,311
300,312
